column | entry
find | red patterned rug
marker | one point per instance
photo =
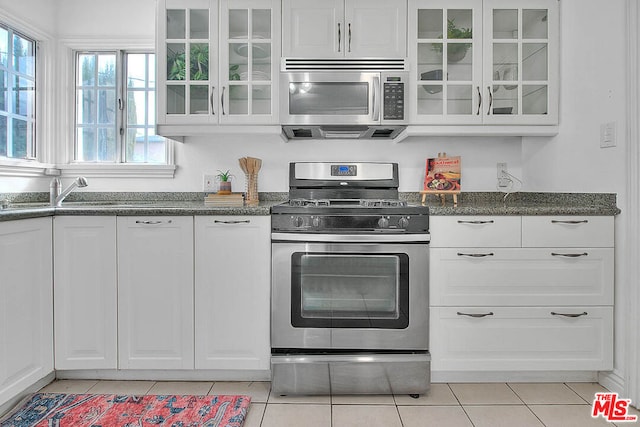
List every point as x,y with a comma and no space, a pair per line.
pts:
112,410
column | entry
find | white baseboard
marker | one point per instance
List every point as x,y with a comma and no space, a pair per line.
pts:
9,404
512,376
612,382
169,375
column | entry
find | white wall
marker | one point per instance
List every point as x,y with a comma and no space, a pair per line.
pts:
44,17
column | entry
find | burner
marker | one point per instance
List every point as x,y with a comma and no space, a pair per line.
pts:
309,202
382,203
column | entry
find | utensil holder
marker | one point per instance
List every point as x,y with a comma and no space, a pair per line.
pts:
251,189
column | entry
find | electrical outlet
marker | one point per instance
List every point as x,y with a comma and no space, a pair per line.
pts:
503,177
209,183
608,135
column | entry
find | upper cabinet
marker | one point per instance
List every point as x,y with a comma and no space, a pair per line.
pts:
344,29
493,62
217,61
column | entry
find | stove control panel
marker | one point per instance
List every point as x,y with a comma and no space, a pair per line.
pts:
350,223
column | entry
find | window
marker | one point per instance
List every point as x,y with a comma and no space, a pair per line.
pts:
17,94
115,109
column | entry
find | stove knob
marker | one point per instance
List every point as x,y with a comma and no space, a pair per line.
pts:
315,221
383,222
403,222
298,221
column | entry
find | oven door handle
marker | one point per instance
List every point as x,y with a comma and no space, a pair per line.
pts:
350,238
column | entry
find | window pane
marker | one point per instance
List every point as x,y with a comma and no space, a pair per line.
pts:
86,144
107,70
17,94
136,108
136,70
106,145
86,70
107,107
85,107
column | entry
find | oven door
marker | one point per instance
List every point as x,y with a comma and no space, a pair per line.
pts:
330,98
351,296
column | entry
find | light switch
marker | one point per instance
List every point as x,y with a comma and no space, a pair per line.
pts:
608,135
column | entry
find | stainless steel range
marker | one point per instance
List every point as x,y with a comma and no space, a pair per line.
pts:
349,309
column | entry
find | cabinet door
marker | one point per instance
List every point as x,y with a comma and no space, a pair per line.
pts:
233,258
445,39
250,56
313,29
375,28
26,305
155,292
521,338
187,61
521,61
85,292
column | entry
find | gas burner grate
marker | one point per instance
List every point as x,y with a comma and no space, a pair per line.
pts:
378,203
309,202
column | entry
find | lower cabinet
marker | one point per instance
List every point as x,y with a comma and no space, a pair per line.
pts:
26,305
85,298
232,292
155,292
540,298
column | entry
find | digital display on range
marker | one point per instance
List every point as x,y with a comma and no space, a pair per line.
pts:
344,170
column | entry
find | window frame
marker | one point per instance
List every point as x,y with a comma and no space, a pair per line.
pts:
65,145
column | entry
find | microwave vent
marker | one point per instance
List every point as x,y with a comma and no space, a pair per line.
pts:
306,64
382,133
302,133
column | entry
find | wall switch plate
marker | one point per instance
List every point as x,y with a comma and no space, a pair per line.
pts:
503,178
209,183
608,135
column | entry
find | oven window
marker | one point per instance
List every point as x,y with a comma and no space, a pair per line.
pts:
333,99
350,290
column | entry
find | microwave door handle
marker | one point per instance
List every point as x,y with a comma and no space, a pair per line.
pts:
376,89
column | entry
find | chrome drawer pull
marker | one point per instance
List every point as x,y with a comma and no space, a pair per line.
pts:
575,221
246,221
147,222
475,222
584,313
569,255
476,255
459,313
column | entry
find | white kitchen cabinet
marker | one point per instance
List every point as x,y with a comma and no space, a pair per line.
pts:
344,29
26,306
217,63
232,292
155,292
493,62
85,297
541,300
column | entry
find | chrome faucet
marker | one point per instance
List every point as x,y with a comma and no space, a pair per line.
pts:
56,195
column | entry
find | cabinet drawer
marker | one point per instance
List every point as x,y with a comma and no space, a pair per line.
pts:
475,231
521,276
521,338
567,231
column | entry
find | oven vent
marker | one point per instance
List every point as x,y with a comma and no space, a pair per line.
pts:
306,64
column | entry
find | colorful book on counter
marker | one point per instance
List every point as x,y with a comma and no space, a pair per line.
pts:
442,175
224,200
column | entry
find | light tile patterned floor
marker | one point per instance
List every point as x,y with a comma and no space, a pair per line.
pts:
446,405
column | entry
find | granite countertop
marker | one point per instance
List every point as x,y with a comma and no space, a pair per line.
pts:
32,205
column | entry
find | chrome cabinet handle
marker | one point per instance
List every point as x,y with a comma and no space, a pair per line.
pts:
574,221
349,36
147,222
460,221
584,313
211,98
479,101
246,221
339,37
222,100
569,255
490,100
476,255
459,313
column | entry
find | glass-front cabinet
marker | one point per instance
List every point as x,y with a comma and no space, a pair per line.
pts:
491,62
217,61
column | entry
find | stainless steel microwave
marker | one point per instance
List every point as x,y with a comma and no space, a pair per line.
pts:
342,97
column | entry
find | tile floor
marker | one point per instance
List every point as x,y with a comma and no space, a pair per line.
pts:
446,405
